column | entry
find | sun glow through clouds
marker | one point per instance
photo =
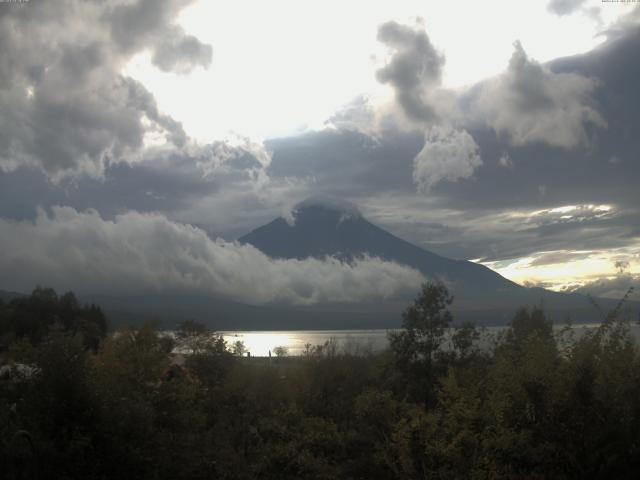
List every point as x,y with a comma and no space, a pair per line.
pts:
289,65
567,269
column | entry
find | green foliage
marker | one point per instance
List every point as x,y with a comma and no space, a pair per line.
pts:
464,339
239,348
190,328
417,346
32,317
55,407
281,351
424,325
536,404
209,359
526,324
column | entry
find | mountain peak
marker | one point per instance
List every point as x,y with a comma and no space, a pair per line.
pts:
344,208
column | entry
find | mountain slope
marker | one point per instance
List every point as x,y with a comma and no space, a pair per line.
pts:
321,230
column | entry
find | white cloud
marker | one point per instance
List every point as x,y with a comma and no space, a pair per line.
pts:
181,53
147,252
531,104
564,7
448,154
505,160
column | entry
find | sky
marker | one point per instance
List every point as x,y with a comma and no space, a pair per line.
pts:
140,138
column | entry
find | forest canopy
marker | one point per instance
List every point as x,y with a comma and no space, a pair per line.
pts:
442,402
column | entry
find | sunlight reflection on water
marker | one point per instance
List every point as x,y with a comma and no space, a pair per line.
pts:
260,343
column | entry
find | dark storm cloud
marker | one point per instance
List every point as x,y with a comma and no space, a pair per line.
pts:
66,108
415,66
347,163
162,180
531,104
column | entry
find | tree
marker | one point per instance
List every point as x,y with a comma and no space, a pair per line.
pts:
281,351
31,317
463,339
239,348
424,325
191,328
194,337
527,323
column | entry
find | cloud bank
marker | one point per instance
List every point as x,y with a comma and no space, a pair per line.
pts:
138,253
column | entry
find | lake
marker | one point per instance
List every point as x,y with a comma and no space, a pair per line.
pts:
260,343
